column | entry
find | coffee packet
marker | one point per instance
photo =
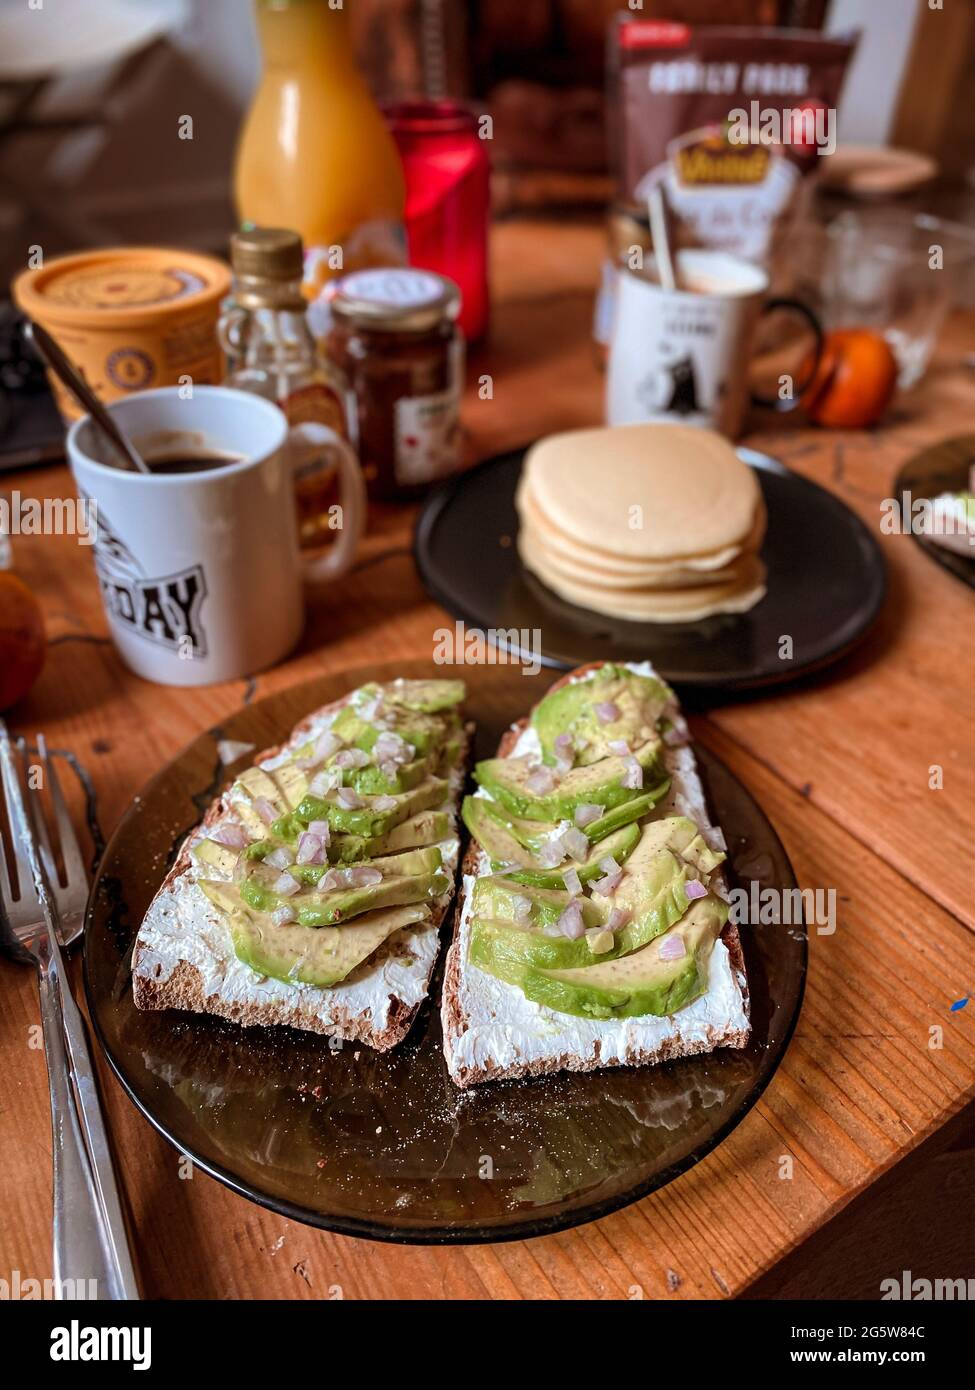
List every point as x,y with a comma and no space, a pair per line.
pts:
731,120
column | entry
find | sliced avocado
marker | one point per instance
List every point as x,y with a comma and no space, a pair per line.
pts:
601,784
622,815
497,897
283,788
626,987
493,834
316,909
302,955
426,732
366,820
372,781
412,861
571,710
653,891
618,846
427,828
216,856
427,696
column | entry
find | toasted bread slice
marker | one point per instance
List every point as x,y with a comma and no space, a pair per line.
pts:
493,1032
184,955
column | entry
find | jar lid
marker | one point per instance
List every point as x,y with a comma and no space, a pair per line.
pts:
268,267
397,298
120,286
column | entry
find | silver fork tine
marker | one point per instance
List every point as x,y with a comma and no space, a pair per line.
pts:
74,864
37,818
15,815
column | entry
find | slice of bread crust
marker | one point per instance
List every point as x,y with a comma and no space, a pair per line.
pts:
183,956
504,1058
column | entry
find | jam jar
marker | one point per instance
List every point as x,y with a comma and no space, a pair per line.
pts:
394,335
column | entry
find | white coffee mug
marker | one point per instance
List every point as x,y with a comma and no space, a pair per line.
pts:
201,572
682,356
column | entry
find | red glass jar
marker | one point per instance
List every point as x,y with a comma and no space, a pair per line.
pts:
448,199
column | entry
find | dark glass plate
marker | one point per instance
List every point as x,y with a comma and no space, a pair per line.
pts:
383,1145
826,585
943,468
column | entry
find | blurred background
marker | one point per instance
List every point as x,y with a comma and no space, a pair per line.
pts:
91,90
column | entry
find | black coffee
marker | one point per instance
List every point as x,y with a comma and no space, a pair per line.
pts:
201,462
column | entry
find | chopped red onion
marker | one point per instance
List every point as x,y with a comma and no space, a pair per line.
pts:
714,838
570,923
370,708
351,757
232,835
672,947
551,854
310,849
633,775
265,810
390,747
618,918
573,883
384,802
541,781
325,781
607,712
694,888
521,907
575,843
322,829
230,749
586,813
565,754
619,746
605,886
281,916
326,745
362,876
331,879
675,737
285,885
279,858
609,865
349,799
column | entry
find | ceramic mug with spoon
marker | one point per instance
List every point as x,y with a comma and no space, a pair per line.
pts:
198,561
682,354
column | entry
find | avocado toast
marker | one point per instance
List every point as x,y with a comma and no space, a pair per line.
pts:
592,927
312,892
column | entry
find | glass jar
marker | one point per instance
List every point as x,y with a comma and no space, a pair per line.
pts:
448,199
270,351
394,337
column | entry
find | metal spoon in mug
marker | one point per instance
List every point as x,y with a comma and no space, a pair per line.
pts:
661,229
74,382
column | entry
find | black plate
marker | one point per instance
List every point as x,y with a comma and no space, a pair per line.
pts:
826,585
944,467
383,1145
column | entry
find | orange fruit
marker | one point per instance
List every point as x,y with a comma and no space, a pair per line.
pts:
22,642
854,382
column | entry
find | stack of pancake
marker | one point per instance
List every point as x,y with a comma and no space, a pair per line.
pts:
654,523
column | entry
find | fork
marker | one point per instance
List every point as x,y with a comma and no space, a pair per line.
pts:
89,1231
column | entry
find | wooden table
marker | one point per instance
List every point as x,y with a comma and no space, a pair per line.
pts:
874,1098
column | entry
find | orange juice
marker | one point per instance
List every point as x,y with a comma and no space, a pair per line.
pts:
315,154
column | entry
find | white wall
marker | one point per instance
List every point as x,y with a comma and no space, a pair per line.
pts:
873,83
